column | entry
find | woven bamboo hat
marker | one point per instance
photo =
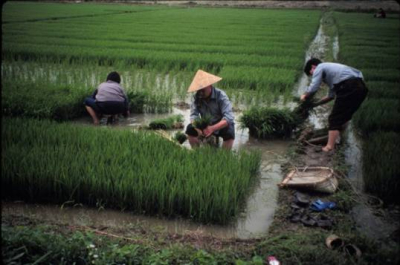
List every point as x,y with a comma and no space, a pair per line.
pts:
202,79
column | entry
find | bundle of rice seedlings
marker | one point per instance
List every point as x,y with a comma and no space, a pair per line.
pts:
173,122
137,101
268,122
304,108
180,137
202,122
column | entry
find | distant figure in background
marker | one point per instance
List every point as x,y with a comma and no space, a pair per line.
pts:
213,102
108,99
380,14
346,84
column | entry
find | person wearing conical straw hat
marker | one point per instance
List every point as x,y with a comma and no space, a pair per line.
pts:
214,103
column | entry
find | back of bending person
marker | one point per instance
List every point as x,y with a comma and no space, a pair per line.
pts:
346,86
108,99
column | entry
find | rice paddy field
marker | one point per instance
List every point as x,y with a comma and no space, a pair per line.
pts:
53,59
54,55
372,46
157,49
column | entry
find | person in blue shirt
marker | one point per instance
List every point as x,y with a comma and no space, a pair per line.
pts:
213,102
346,86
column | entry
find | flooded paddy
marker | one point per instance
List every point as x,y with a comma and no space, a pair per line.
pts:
260,206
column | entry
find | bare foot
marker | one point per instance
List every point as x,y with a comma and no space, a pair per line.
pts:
326,149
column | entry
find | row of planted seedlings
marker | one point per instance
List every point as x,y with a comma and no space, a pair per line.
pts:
45,161
371,45
158,90
263,60
18,11
25,86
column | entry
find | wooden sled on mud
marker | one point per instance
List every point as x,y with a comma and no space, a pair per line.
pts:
319,179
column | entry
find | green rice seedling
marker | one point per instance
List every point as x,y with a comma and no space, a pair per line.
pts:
41,100
268,122
172,122
202,122
384,89
378,114
180,137
304,109
137,101
44,161
381,168
372,46
259,59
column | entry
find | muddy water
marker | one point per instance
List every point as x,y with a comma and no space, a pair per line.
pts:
367,222
316,49
353,156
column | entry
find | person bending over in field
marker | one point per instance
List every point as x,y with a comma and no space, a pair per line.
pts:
346,84
212,102
108,99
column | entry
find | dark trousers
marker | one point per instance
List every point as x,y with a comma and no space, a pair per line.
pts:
226,133
349,96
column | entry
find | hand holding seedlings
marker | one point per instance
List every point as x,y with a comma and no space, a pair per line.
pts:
208,131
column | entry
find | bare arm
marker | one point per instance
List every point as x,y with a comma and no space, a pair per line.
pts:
212,128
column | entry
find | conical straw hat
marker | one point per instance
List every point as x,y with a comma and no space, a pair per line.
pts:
201,80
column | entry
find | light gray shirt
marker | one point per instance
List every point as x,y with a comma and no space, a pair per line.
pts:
110,91
218,106
331,74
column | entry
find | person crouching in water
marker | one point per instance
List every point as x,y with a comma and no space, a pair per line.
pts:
213,102
108,99
346,84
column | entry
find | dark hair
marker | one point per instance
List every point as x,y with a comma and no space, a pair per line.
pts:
310,63
114,76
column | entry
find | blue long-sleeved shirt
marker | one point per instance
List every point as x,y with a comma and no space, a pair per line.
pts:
331,74
218,106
